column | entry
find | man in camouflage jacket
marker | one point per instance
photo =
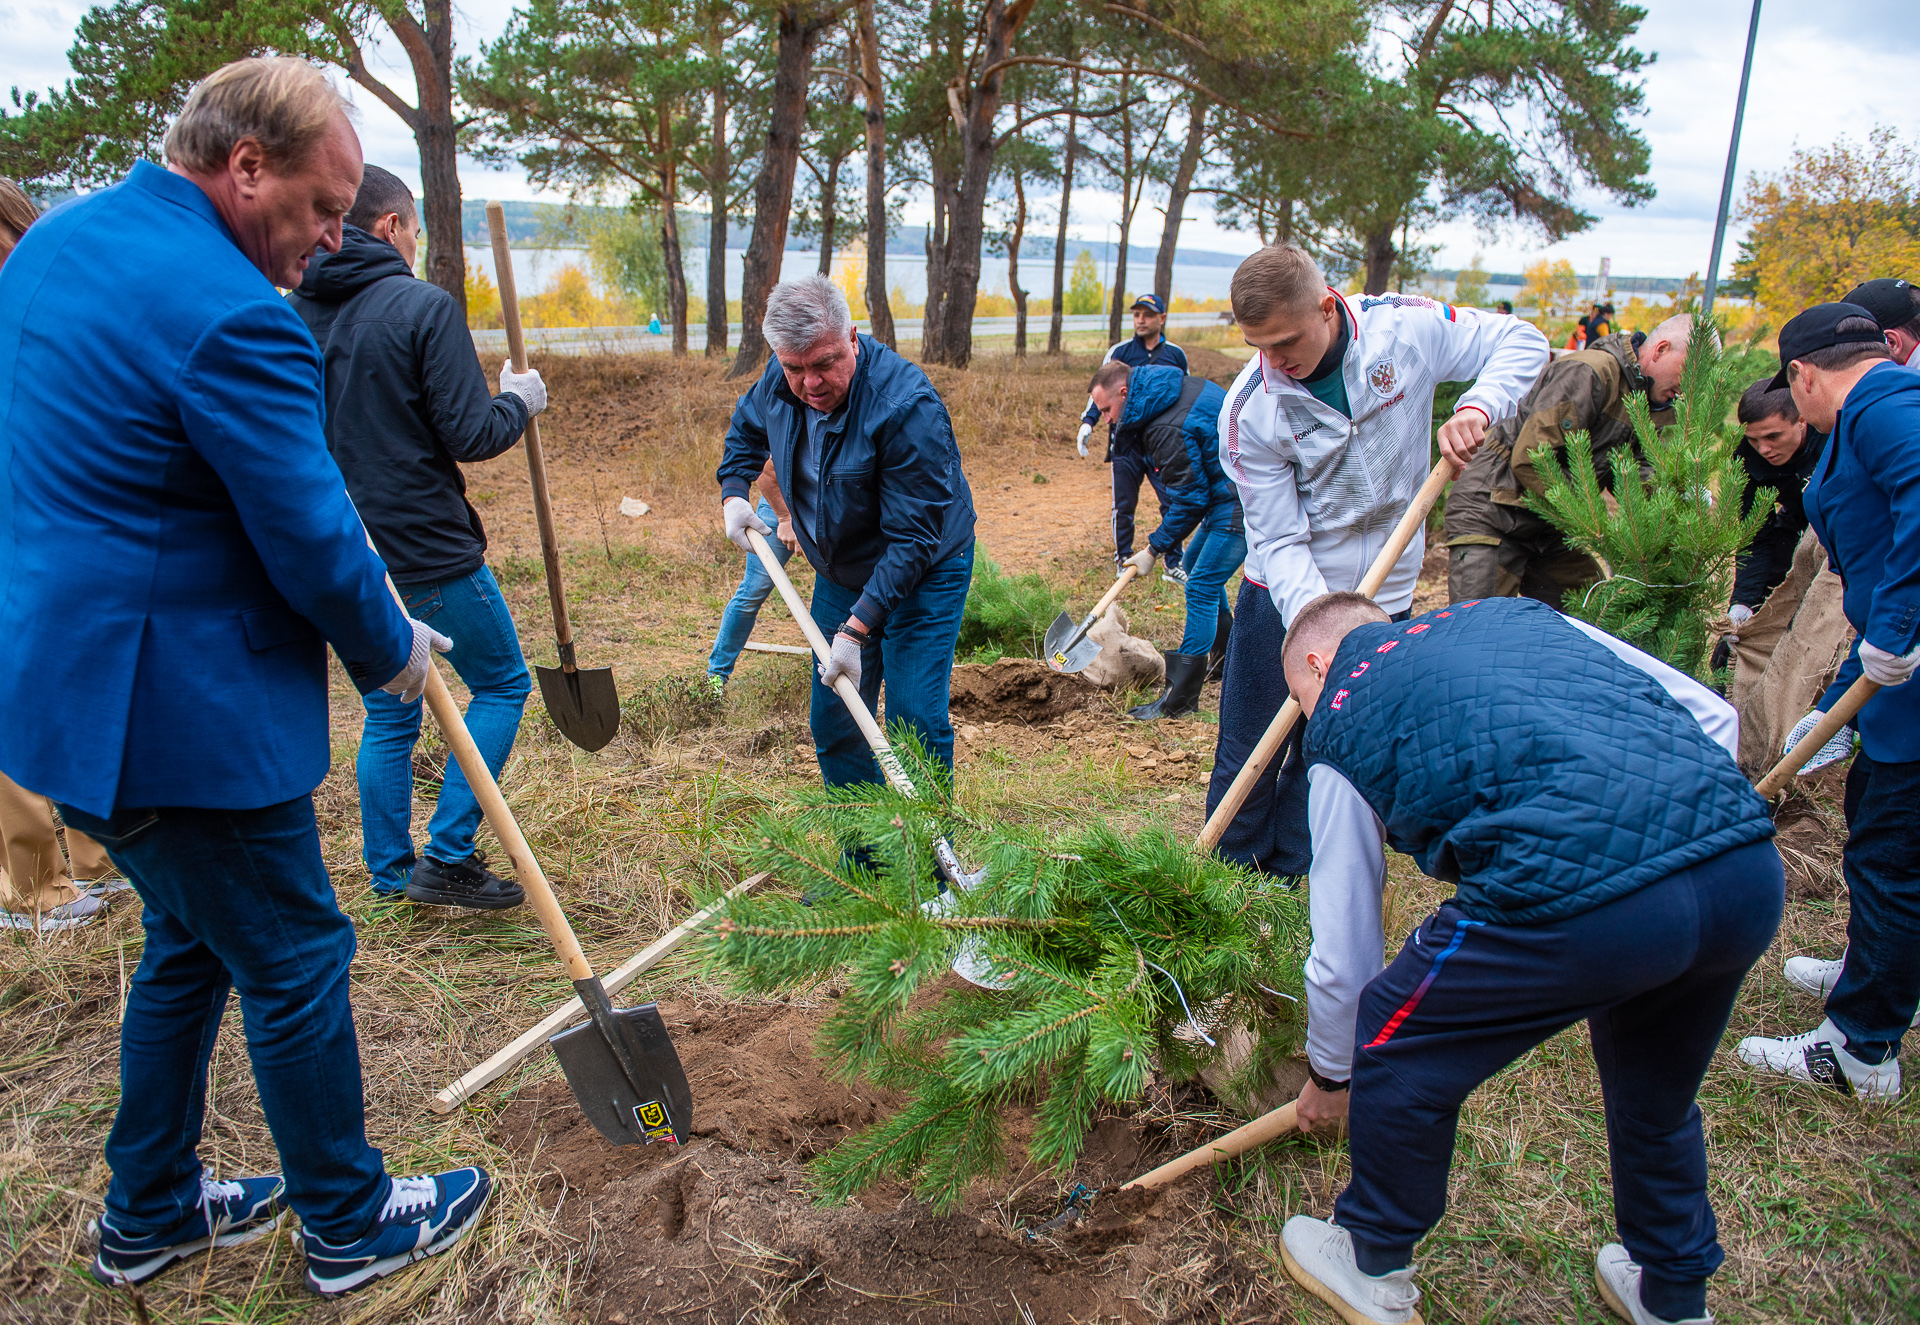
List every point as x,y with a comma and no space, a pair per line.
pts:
1497,546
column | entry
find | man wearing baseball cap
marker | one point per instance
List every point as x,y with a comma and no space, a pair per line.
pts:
1863,501
1895,305
1148,346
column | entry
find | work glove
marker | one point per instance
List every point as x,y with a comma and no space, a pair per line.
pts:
740,516
1739,614
1141,561
528,386
412,681
1838,748
1889,669
843,660
1086,431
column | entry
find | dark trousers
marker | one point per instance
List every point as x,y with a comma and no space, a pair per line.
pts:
1654,974
1128,472
236,899
1270,832
1880,985
912,652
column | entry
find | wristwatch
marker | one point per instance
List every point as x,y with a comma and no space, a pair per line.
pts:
1325,1083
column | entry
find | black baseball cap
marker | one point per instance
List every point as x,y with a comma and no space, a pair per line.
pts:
1888,301
1818,329
1150,302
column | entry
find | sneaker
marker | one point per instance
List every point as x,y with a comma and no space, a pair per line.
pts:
1619,1280
468,883
422,1217
103,887
1177,574
1821,1055
230,1213
1818,977
1319,1257
82,910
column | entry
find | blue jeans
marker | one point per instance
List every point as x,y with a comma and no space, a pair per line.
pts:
1128,473
1880,984
743,609
486,654
1653,974
236,899
912,652
1213,555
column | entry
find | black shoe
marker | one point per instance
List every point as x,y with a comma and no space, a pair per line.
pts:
468,883
1186,673
1217,655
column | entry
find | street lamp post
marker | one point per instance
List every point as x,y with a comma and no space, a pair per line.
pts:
1733,152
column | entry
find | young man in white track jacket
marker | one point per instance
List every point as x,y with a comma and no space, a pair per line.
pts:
1326,435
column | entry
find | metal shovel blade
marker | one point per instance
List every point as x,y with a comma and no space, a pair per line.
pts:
582,703
1060,657
657,1106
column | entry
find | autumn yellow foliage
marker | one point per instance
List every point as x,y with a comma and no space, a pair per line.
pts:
1551,287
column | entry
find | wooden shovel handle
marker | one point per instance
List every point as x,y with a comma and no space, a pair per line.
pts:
536,457
1282,724
1120,581
492,804
1809,745
1237,1142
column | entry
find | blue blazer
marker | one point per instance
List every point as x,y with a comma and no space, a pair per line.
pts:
1863,501
176,545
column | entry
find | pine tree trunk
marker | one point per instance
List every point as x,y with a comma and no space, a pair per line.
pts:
932,328
721,172
1283,227
829,195
1056,326
670,237
437,138
773,189
1177,199
1013,267
877,306
1119,294
1380,255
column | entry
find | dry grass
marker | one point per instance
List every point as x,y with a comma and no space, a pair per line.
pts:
1818,1199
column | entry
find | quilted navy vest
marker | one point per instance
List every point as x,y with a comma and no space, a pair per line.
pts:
1521,761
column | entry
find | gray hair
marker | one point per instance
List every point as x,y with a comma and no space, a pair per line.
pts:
800,314
285,105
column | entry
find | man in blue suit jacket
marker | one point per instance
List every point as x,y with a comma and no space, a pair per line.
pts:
1863,501
176,551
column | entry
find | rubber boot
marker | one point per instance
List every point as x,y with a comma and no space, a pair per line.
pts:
1186,673
1217,656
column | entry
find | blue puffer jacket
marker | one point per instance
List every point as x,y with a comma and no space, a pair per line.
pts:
1172,420
1520,760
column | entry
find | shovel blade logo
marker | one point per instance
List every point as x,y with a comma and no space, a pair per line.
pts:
651,1121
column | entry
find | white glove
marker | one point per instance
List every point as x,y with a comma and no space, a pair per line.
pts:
740,516
412,680
844,660
1839,747
528,386
1086,431
1889,669
1739,614
1141,561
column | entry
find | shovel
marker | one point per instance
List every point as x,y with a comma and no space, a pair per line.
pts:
1066,647
1809,745
621,1063
582,703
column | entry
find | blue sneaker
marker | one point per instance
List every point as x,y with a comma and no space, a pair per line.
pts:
230,1213
422,1217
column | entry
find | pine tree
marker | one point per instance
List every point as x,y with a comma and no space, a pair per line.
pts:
1670,536
1119,952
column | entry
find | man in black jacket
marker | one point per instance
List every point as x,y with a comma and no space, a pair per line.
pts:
1779,452
406,402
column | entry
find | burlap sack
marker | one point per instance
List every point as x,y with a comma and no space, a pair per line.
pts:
1789,652
1124,659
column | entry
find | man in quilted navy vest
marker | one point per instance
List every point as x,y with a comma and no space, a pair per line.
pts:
1611,866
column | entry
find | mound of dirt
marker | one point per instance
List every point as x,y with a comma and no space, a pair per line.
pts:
726,1229
1017,690
1810,832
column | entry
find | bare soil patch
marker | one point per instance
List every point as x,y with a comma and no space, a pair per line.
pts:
1018,690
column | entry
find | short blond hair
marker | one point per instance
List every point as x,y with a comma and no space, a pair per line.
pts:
1280,278
285,105
17,212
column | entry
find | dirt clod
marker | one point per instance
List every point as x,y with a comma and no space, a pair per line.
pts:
1018,689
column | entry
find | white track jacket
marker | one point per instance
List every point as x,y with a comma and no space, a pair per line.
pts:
1321,492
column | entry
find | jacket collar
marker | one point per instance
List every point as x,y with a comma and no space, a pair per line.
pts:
1621,347
178,190
1279,382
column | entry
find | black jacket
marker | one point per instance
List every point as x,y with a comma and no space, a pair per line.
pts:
1770,556
406,399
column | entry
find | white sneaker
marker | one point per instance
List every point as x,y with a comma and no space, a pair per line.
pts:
1821,1056
1319,1257
103,887
82,910
1619,1280
1818,977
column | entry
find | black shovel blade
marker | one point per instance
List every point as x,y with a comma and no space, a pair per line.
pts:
657,1107
1062,658
583,704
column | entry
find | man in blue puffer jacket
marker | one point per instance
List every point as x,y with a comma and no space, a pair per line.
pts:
1168,420
1611,865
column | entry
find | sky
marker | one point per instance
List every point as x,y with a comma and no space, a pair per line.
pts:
1820,70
